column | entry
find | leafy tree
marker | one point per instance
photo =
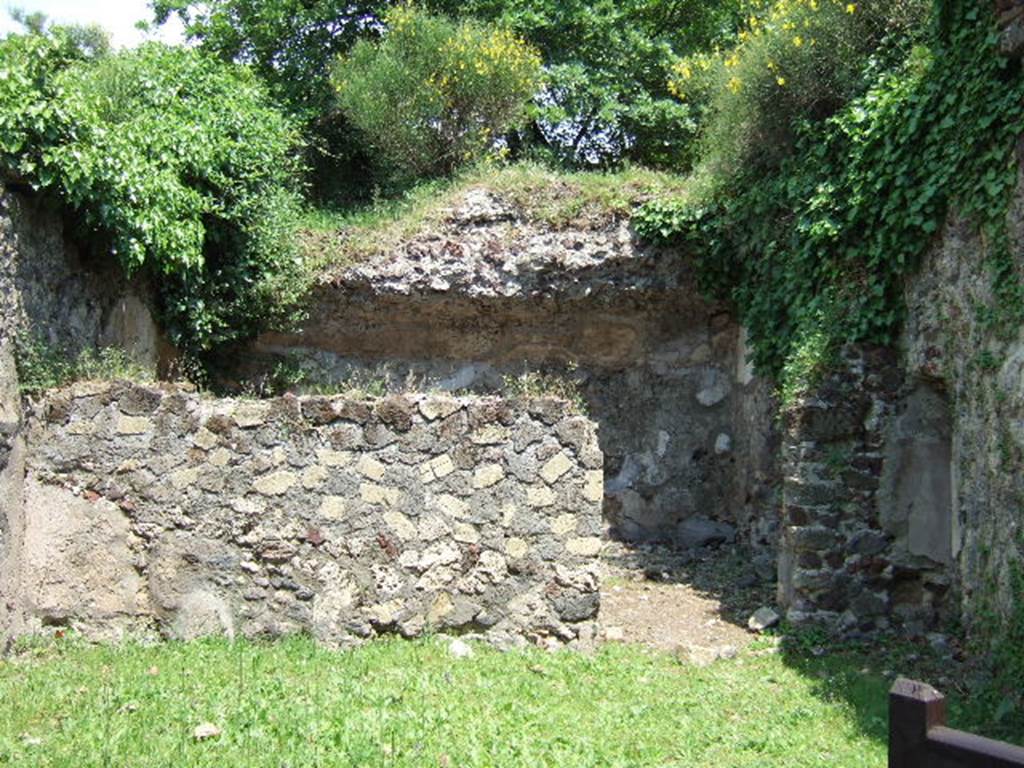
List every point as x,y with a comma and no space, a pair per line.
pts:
176,161
91,40
609,66
291,45
609,63
433,94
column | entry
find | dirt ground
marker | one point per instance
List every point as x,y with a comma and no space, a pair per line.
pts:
694,603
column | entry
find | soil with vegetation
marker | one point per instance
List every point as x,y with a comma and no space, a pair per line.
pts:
695,603
405,703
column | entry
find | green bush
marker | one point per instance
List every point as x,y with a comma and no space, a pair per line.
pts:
176,162
607,62
796,60
433,94
606,97
291,45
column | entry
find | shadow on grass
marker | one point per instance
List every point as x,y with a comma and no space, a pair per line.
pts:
857,674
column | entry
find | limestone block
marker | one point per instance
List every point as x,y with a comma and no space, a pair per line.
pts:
275,484
378,494
516,548
400,524
563,524
332,507
556,468
433,408
250,415
436,469
593,486
466,534
440,608
539,496
313,477
433,527
205,439
487,476
183,478
453,506
584,547
334,459
490,435
220,457
493,565
370,468
133,425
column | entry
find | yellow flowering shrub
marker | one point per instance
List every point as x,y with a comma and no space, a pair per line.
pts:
433,94
793,60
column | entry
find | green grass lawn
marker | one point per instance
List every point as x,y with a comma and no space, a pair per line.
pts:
401,703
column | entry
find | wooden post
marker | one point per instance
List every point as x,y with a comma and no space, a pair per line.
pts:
914,708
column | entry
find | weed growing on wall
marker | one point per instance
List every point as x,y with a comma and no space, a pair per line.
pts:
816,252
43,366
531,384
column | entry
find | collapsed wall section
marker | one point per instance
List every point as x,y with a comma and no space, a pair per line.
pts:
155,509
486,296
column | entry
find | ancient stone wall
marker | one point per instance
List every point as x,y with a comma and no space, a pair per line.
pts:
158,510
863,501
10,424
488,294
973,361
49,291
903,486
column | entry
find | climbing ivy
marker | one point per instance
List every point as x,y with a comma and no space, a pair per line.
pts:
815,253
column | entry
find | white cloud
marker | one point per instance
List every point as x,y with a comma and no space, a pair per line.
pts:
116,16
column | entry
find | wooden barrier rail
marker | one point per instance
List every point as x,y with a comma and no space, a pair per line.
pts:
919,738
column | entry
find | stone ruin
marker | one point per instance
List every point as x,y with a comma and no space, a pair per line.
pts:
153,507
453,500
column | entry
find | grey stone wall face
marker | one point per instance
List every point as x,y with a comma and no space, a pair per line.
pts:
47,290
10,426
685,430
980,368
157,510
857,500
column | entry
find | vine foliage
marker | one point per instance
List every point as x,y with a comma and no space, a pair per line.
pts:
815,253
176,164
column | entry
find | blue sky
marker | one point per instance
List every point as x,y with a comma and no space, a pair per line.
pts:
117,16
